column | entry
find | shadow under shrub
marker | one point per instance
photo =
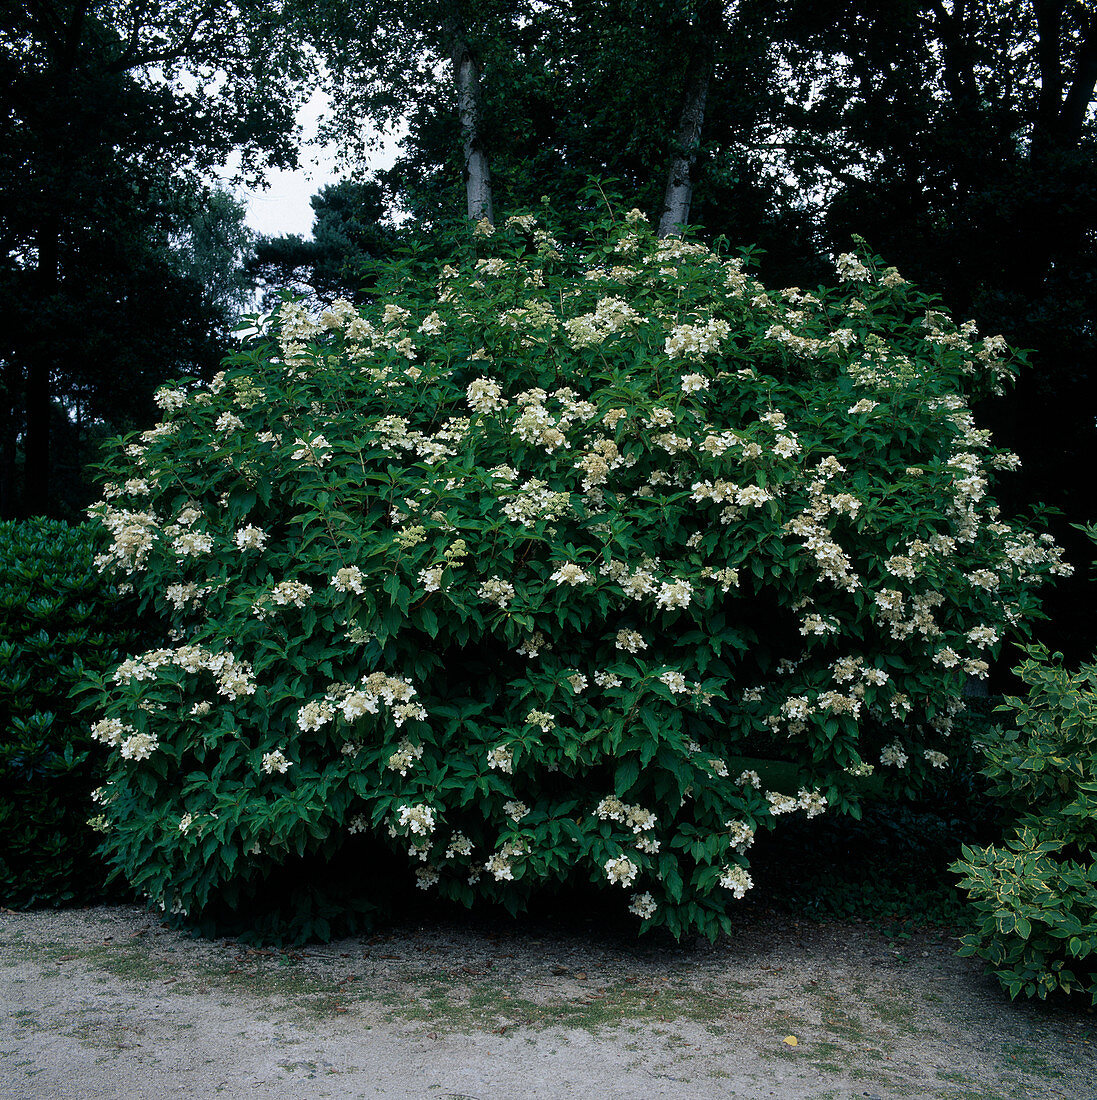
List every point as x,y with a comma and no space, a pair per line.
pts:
890,865
505,571
59,618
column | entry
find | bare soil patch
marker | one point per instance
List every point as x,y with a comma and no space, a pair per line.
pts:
107,1003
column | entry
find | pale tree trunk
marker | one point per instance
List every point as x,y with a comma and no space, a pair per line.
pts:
466,76
680,178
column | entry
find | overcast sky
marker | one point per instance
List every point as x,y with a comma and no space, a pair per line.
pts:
283,207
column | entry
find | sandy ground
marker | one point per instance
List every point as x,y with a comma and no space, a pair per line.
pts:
106,1003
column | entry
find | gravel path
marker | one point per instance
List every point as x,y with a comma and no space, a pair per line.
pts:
106,1003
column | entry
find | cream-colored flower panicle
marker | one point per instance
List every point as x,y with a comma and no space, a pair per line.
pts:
275,761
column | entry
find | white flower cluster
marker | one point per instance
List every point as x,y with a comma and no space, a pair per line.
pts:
501,758
416,819
737,880
192,544
810,347
169,400
631,641
643,905
349,579
571,574
636,818
692,341
598,462
275,762
496,591
674,594
132,534
484,395
534,502
542,720
426,877
314,715
893,755
833,562
250,538
131,744
404,757
813,803
676,682
610,315
621,871
374,690
740,835
850,268
234,678
315,451
393,434
431,578
459,845
533,645
285,593
501,864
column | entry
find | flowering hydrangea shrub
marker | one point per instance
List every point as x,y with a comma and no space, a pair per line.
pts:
512,571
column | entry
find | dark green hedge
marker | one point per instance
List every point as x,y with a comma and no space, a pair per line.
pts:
58,617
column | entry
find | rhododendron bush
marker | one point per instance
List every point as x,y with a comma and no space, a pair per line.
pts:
519,573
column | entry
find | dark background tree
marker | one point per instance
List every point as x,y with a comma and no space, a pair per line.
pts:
115,114
350,232
578,88
965,151
385,61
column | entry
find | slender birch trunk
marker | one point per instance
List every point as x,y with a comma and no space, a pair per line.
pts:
680,178
466,76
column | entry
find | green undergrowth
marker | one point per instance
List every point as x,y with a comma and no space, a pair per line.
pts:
871,871
59,620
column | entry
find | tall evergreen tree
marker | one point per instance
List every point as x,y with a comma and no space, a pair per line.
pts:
350,233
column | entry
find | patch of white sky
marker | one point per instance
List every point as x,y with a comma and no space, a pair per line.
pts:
282,204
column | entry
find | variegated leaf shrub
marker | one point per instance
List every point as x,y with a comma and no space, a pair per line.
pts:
1034,897
519,572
